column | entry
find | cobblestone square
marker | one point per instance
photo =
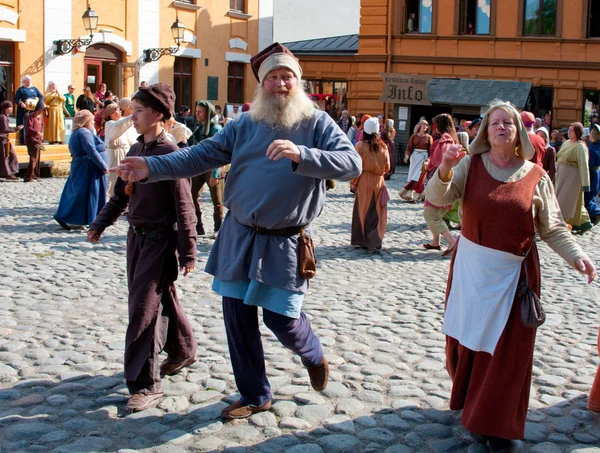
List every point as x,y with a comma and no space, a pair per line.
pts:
63,315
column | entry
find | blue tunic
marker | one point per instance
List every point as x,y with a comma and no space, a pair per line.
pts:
270,194
23,94
84,193
590,197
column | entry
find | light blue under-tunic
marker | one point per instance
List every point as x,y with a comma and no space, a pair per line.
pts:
282,301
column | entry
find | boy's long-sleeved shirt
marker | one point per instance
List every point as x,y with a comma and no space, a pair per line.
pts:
154,205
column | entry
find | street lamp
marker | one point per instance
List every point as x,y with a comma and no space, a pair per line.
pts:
90,22
177,30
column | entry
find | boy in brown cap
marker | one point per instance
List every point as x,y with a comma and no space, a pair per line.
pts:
156,320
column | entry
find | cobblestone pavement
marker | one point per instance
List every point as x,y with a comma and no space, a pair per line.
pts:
63,318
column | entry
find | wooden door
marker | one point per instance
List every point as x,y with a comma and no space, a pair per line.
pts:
92,74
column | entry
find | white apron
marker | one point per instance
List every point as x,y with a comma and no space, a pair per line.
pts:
484,283
416,163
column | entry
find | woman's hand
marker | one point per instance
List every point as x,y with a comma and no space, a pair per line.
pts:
406,158
585,266
132,169
212,182
453,155
187,269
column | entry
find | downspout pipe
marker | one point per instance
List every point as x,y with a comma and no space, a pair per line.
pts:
388,64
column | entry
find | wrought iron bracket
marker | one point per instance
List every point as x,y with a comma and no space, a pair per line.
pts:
65,46
157,54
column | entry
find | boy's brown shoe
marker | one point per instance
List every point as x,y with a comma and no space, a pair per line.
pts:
236,410
319,375
141,401
173,366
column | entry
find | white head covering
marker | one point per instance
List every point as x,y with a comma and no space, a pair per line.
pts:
546,135
371,126
481,143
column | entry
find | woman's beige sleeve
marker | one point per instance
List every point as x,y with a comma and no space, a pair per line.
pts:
550,224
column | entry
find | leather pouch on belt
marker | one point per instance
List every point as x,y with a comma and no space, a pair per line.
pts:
308,261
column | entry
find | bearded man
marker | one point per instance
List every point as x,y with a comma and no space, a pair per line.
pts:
281,152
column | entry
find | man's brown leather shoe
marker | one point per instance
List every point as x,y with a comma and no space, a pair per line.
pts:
236,410
319,375
174,366
141,401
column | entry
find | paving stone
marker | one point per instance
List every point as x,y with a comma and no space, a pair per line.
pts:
305,448
398,449
90,443
433,430
263,419
339,423
284,408
349,406
294,423
26,431
176,436
393,422
380,435
535,432
545,447
448,445
340,443
313,413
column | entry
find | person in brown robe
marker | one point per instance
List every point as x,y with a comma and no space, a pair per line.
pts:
9,165
34,136
369,216
156,320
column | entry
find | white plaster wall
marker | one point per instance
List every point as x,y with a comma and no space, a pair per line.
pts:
265,23
295,20
149,26
57,25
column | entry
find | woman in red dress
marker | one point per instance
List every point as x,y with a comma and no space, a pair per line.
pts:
504,199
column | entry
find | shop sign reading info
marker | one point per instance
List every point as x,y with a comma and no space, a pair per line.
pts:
405,89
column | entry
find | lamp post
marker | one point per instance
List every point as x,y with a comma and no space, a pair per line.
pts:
177,30
90,22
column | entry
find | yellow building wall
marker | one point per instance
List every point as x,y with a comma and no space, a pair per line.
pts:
211,24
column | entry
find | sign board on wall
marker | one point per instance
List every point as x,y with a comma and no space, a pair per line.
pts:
405,89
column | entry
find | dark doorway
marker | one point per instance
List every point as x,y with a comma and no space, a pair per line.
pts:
428,111
7,71
102,65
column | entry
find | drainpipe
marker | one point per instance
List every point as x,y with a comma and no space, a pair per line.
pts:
388,64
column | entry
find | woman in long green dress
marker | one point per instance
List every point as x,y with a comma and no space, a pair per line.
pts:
572,179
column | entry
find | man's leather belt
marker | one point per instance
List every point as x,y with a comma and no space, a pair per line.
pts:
287,231
149,230
595,168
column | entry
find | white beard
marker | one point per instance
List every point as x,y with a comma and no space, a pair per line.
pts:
281,111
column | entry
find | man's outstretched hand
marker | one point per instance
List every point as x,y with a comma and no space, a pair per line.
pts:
132,169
